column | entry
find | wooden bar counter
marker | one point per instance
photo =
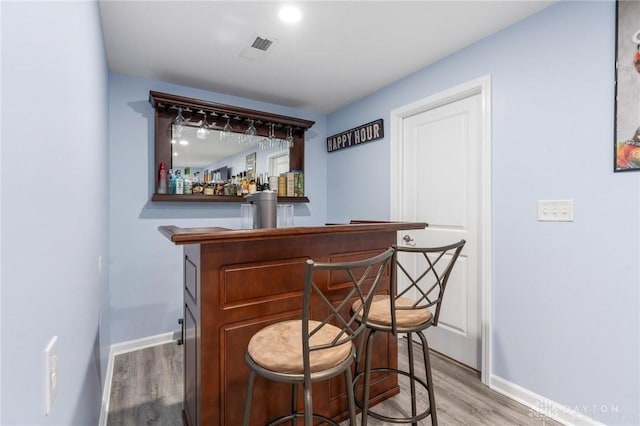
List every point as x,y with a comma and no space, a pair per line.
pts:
239,281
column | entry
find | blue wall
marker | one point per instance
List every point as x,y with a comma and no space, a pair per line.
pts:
146,268
565,296
54,209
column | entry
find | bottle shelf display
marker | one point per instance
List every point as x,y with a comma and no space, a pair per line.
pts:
220,198
183,186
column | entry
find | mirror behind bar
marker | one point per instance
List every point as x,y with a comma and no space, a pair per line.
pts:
166,108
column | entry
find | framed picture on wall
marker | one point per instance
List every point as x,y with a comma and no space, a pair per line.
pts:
627,101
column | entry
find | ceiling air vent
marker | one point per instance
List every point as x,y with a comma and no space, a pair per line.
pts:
257,48
262,43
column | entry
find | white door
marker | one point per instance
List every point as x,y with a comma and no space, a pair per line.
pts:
440,175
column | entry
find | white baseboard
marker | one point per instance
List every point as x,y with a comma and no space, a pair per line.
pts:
121,348
541,406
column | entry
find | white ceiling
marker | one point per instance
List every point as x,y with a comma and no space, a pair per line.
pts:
339,52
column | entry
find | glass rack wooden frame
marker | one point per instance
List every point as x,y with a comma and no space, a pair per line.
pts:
166,109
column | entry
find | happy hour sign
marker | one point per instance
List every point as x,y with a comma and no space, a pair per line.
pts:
356,136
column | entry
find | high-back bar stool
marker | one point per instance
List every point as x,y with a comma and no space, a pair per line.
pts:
317,348
410,311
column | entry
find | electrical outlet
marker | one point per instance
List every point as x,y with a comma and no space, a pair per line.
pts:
555,210
51,373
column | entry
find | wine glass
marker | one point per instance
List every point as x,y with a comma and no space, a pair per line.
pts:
265,141
178,124
289,139
269,141
227,129
203,130
250,133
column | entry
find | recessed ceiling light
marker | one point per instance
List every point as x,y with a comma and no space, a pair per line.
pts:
184,142
290,14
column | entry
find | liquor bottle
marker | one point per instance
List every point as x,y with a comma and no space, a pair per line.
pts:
282,185
253,186
162,179
273,183
197,188
244,184
298,179
171,182
233,186
291,187
179,183
188,183
238,182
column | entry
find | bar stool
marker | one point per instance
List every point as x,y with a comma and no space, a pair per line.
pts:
404,313
315,348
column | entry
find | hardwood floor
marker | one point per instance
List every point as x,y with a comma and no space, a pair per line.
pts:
147,390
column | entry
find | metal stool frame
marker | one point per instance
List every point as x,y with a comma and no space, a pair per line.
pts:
360,273
430,293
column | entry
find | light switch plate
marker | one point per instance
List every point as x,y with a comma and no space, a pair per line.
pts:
555,210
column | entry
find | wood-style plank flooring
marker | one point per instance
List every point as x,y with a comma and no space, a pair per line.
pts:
147,390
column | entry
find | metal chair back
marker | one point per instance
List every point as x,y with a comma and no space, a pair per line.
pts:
428,282
362,278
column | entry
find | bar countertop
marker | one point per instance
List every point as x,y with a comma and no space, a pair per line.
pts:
181,236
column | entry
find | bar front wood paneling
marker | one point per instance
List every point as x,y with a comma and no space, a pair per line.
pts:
239,281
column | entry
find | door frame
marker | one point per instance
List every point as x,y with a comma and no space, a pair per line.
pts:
482,86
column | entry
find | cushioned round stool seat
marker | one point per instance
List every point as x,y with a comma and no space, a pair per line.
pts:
380,312
278,347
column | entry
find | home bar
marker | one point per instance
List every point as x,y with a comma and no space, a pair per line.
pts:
238,281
